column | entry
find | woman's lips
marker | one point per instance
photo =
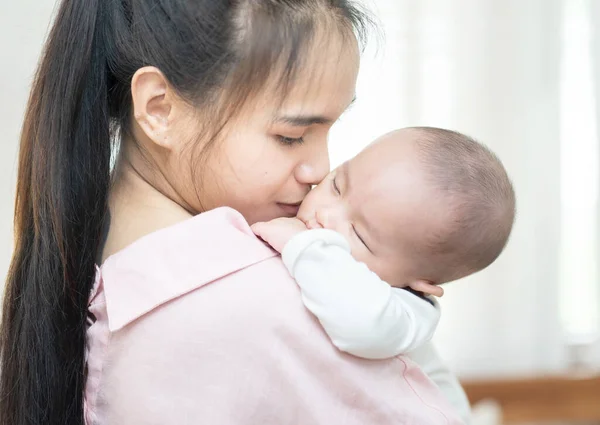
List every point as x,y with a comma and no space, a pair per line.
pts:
290,210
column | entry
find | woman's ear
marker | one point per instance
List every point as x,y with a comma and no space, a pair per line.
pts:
153,104
426,288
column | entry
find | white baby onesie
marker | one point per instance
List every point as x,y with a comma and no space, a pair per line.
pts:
363,315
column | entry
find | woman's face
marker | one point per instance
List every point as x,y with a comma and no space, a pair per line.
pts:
268,156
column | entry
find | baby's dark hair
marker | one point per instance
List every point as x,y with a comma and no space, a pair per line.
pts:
472,180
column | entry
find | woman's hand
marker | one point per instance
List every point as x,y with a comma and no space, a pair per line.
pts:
279,231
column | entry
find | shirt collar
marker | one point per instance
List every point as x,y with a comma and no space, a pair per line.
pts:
171,262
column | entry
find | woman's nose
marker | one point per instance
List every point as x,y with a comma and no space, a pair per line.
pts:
315,168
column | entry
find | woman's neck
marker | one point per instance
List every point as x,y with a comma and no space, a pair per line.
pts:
137,209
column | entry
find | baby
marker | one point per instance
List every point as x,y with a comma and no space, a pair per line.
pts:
372,242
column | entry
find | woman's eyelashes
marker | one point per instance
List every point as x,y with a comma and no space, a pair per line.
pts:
290,141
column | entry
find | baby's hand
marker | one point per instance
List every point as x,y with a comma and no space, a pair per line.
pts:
278,232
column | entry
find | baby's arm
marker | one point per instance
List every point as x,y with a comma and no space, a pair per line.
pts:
432,365
362,314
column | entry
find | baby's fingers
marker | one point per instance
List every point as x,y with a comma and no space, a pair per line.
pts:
427,288
258,228
263,231
313,224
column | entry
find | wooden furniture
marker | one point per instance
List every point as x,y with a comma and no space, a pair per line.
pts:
542,399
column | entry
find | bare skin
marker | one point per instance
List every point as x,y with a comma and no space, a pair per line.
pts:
264,163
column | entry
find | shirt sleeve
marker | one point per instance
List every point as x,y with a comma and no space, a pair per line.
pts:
433,366
362,314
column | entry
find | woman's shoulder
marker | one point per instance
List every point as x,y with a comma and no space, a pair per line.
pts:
179,259
244,349
225,341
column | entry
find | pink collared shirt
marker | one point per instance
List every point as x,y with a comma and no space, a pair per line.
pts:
200,323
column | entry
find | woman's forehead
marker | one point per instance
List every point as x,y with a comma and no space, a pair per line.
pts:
324,84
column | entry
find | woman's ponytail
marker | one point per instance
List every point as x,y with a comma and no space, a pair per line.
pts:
62,191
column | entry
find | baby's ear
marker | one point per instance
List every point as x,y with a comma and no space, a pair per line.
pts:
426,288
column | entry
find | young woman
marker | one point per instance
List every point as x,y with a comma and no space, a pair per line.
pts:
144,116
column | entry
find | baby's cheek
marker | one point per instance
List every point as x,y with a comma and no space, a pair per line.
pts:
357,251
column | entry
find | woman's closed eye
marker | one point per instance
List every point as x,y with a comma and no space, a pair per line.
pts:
290,141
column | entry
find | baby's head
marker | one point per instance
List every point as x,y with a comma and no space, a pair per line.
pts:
418,204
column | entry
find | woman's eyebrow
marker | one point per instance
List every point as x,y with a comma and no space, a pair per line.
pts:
302,120
307,120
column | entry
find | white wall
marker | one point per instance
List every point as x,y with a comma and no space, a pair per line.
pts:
23,26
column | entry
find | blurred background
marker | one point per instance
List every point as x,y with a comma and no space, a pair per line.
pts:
523,77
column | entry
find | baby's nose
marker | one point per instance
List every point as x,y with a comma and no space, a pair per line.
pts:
328,217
